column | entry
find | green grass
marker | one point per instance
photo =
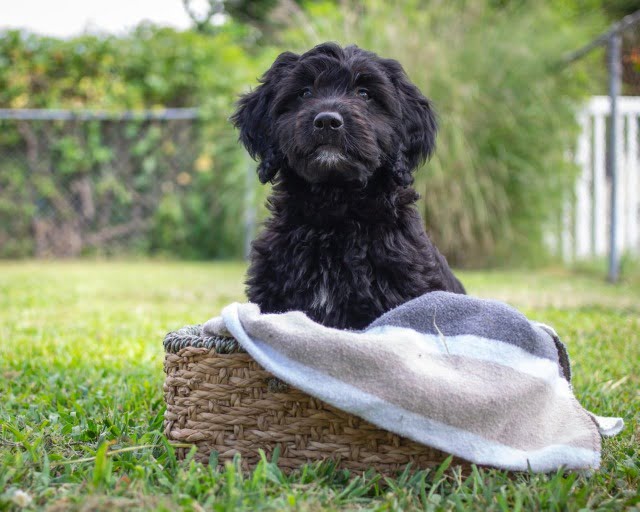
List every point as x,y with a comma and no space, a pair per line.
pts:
81,397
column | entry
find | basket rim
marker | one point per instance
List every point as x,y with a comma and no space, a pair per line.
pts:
192,336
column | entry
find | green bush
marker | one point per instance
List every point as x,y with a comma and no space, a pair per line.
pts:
198,184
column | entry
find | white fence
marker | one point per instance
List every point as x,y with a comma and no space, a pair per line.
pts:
587,218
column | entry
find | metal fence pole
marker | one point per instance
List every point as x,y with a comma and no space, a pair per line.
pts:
615,71
613,39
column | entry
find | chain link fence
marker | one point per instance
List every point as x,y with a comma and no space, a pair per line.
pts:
80,183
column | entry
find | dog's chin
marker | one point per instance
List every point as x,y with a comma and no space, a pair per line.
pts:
329,157
328,164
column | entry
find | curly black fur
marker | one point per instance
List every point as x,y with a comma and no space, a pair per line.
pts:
345,242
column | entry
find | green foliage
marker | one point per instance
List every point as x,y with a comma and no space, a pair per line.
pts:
501,170
150,67
15,204
202,178
82,409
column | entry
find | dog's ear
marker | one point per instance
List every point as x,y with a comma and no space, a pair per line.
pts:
419,125
253,118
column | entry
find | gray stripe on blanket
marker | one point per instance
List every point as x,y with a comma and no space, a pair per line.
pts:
452,315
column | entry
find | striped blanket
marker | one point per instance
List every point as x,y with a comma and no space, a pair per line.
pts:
468,376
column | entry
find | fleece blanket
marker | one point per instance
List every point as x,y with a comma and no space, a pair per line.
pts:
468,376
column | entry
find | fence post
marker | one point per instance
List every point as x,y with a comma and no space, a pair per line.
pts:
599,228
583,211
615,71
633,183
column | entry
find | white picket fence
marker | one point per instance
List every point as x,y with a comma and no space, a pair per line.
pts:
587,216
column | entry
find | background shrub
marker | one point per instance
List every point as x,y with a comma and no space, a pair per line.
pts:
501,171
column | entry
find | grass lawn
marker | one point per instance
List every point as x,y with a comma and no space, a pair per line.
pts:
81,397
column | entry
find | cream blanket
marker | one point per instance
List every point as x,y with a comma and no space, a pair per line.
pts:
471,377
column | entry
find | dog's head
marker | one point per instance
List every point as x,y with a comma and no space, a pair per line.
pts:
335,114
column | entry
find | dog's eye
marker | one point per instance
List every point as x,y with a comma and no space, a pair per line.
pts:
306,93
363,93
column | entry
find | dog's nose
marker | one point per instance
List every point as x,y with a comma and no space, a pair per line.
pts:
326,120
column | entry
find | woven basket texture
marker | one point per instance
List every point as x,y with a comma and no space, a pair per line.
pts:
220,400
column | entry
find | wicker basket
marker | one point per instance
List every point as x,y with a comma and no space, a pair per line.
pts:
219,399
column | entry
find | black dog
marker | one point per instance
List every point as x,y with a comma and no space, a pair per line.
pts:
339,132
